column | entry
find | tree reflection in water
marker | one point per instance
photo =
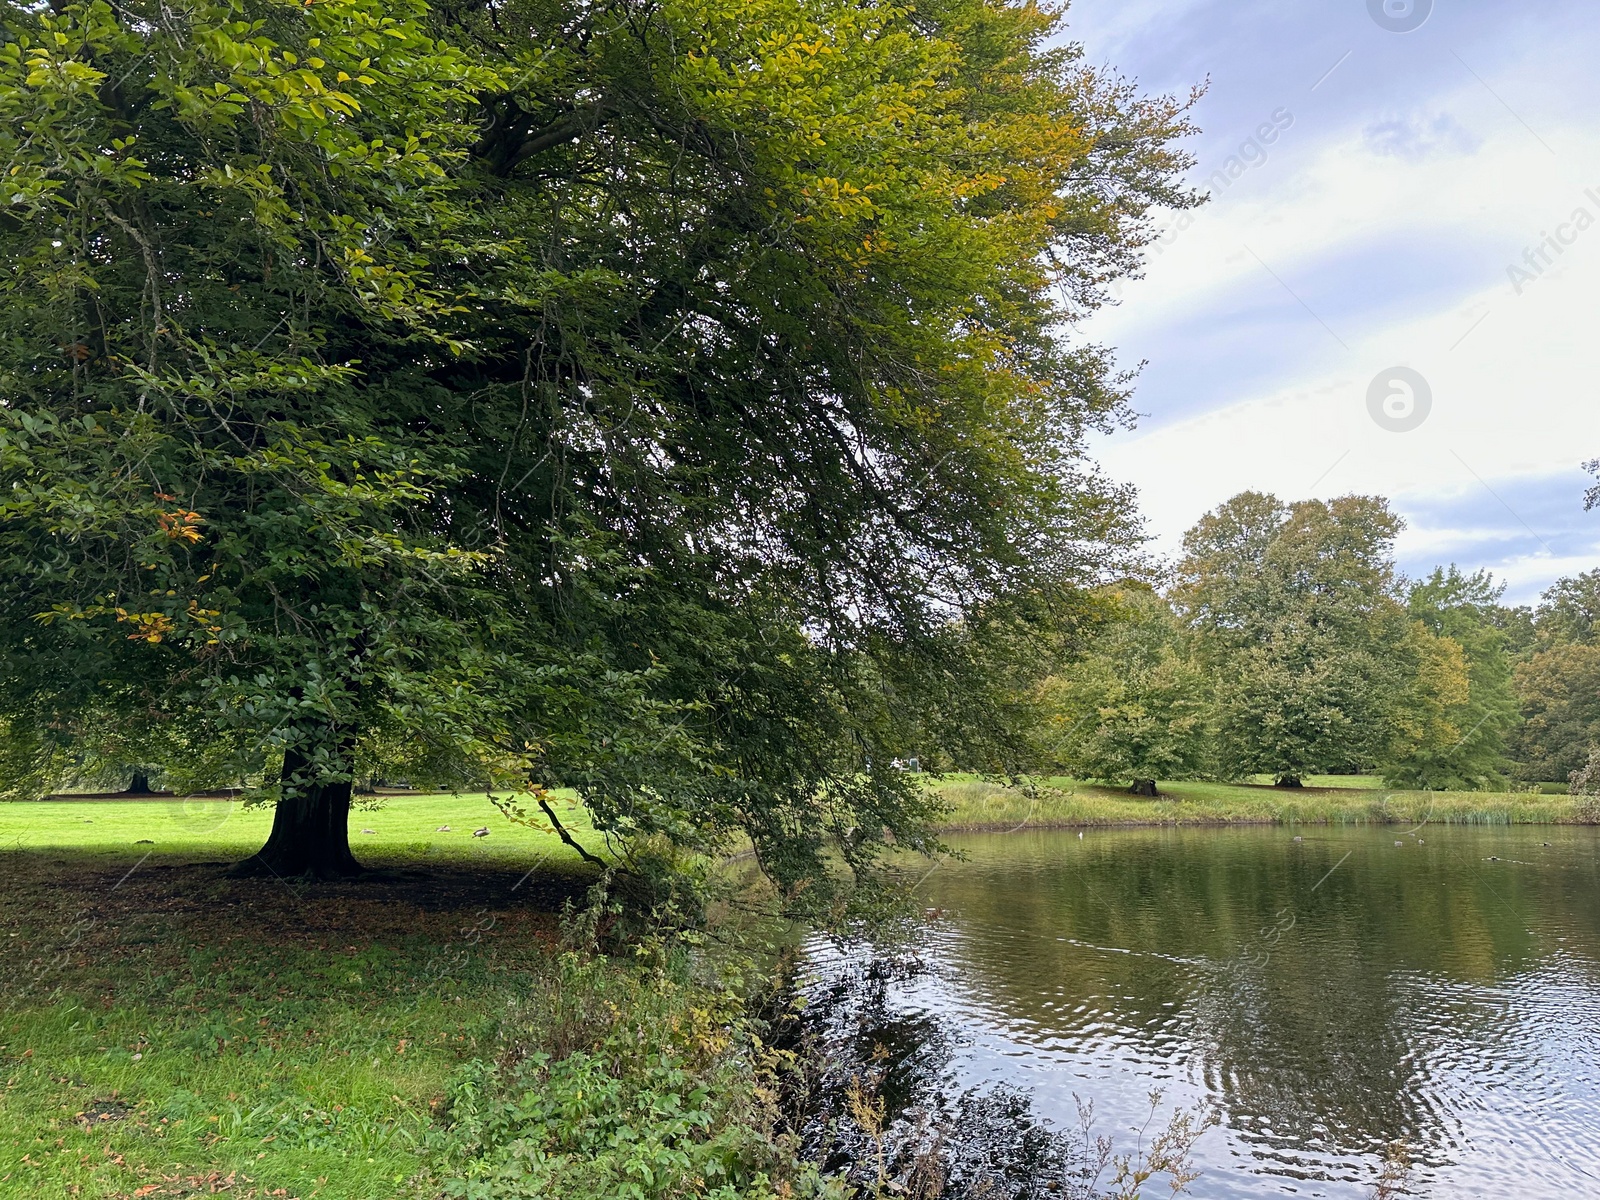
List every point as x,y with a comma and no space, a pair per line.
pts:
1332,995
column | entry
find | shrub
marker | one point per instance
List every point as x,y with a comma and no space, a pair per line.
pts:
622,1083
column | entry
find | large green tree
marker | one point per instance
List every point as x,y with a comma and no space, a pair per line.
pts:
1466,610
213,535
1316,663
644,398
1559,688
1136,706
1568,612
1558,681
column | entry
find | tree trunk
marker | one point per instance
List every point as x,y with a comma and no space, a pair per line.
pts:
1144,787
310,831
140,785
1287,781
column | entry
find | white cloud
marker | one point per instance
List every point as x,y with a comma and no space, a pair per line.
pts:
1416,138
1525,576
1399,237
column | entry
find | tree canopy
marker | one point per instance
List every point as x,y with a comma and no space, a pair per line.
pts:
1473,753
1558,681
1136,705
1316,664
643,398
1292,605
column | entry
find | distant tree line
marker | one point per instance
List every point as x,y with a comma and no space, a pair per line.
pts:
1285,643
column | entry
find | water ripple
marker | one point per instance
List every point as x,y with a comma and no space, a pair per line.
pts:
1430,998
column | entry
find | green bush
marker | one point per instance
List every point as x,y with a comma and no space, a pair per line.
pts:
623,1083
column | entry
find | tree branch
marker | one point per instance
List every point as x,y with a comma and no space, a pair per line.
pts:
566,837
504,157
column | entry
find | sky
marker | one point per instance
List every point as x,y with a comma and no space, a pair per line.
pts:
1392,291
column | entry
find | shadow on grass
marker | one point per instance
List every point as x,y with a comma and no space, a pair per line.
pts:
40,881
166,1024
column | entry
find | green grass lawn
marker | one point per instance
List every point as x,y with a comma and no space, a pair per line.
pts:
403,829
168,1031
164,1029
1349,799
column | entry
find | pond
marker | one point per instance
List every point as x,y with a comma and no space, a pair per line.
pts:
1329,992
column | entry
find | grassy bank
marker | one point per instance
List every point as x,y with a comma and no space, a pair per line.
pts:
172,1031
166,1031
976,805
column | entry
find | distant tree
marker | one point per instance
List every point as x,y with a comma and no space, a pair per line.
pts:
1465,743
1515,623
1426,723
1299,623
1135,707
1559,690
1584,784
1568,613
1558,682
1005,650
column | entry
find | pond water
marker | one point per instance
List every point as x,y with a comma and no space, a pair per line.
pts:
1330,995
